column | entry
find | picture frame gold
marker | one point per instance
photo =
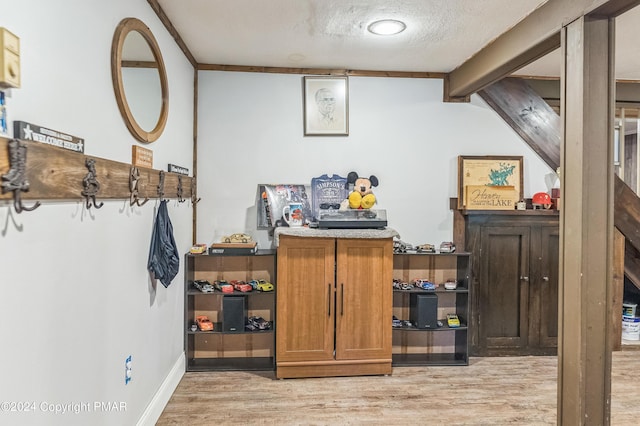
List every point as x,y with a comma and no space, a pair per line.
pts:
326,106
490,170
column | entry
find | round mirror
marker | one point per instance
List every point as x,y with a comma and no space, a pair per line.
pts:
139,80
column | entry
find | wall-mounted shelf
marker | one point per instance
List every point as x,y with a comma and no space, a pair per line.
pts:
57,174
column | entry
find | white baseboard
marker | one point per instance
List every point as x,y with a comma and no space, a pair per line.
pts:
154,410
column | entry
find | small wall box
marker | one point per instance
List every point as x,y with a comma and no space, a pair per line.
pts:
9,59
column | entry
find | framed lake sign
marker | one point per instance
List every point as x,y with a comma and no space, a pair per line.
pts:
489,182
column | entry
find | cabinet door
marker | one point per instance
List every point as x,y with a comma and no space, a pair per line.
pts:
548,285
504,289
364,295
305,299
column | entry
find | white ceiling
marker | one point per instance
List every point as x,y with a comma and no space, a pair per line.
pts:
440,35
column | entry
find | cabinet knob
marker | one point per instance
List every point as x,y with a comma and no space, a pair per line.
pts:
524,278
545,278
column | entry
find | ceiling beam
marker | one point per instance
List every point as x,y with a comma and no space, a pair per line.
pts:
320,71
530,39
172,30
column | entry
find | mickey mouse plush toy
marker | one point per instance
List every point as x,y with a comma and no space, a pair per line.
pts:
362,196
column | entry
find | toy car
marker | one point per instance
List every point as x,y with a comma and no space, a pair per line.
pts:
450,284
447,247
237,238
424,284
203,285
220,284
396,323
257,323
397,284
426,248
198,249
401,323
204,324
400,246
453,321
264,286
241,286
407,286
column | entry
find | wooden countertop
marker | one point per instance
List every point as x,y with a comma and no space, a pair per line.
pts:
333,233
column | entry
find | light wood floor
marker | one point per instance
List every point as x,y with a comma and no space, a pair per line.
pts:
490,391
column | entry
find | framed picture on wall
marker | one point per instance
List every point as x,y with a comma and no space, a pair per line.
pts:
490,182
326,106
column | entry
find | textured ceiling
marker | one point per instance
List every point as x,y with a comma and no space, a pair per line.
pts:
440,35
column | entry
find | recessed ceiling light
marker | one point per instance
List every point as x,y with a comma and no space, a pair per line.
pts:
387,27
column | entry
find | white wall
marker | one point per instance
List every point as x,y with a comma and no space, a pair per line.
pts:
250,131
75,295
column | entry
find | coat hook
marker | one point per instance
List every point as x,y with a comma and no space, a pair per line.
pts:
134,177
15,180
180,198
194,199
161,185
91,185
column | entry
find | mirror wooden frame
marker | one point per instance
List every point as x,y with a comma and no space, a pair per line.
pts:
126,26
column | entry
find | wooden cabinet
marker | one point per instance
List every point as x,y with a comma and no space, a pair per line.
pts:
333,307
239,349
515,269
441,345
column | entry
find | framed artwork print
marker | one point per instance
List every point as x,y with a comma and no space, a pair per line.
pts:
490,182
326,106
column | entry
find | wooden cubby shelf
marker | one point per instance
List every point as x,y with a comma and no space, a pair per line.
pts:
436,345
222,348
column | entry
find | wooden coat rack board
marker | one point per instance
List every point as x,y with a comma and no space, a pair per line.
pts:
57,174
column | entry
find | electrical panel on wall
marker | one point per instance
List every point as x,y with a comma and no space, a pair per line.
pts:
9,59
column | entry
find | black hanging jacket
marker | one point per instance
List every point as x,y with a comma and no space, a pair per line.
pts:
164,260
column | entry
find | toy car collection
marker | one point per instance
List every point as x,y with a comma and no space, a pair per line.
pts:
204,324
225,286
397,323
400,246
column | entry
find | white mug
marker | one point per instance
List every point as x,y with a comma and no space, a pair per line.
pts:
294,211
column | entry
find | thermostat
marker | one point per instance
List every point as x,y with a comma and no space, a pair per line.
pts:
9,59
